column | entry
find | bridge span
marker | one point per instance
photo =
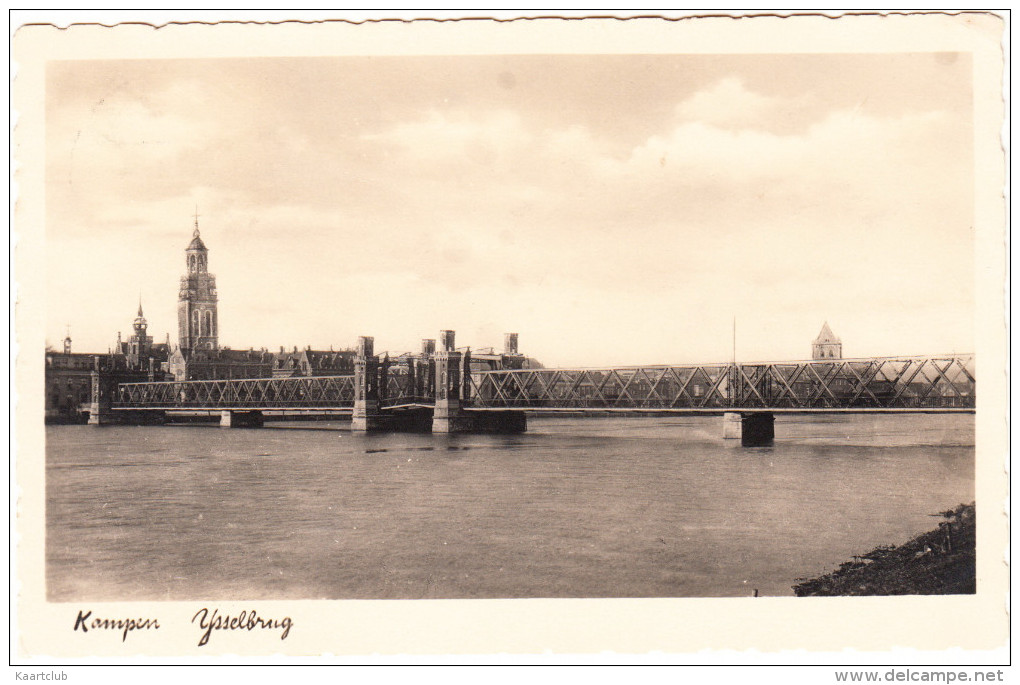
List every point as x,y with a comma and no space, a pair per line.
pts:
445,391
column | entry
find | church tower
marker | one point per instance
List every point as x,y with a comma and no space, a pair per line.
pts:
826,345
196,304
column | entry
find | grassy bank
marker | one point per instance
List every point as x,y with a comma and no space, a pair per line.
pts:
939,562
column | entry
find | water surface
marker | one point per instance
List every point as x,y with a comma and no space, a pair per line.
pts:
576,507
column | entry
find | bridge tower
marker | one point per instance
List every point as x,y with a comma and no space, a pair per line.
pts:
446,415
366,415
100,398
197,319
452,412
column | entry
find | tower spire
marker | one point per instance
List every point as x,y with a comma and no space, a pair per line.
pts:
196,221
140,305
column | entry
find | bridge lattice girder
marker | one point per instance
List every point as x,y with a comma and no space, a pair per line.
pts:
945,382
880,383
316,392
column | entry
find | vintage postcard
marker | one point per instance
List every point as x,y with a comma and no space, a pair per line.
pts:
524,337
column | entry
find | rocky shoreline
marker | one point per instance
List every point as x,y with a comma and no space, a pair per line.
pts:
939,562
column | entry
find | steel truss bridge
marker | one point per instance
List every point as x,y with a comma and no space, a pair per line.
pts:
883,384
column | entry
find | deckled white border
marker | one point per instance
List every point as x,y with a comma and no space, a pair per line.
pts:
534,626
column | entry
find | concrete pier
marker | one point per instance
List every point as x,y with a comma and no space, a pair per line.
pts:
241,419
758,429
731,427
139,417
754,429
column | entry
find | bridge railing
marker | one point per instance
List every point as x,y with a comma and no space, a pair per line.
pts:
879,383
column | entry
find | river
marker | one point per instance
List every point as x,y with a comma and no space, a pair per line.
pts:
630,506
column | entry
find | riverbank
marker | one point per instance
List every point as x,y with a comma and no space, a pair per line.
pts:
939,562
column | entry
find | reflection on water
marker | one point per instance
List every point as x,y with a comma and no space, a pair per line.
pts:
596,507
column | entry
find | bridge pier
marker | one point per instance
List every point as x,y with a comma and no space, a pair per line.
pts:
366,415
446,416
140,417
241,419
453,373
732,428
100,400
754,429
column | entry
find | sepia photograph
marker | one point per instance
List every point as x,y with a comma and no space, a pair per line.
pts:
422,323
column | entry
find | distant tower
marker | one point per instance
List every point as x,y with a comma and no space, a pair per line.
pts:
196,304
67,341
826,345
140,343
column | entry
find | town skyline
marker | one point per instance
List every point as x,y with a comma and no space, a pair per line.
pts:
577,201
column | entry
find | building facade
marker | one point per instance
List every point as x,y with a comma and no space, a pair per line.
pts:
208,365
68,381
139,351
309,362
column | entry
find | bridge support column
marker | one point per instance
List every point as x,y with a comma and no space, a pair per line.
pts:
142,417
447,416
755,429
453,373
731,426
241,419
100,400
366,415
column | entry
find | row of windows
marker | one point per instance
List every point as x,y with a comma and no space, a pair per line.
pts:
203,323
831,353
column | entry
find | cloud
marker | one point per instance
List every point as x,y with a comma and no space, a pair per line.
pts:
728,104
736,200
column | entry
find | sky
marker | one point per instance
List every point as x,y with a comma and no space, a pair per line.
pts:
609,209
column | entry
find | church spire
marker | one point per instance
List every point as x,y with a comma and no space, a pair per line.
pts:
140,322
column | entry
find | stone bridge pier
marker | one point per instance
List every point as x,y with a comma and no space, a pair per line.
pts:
103,392
241,419
101,398
753,429
367,415
448,417
452,413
